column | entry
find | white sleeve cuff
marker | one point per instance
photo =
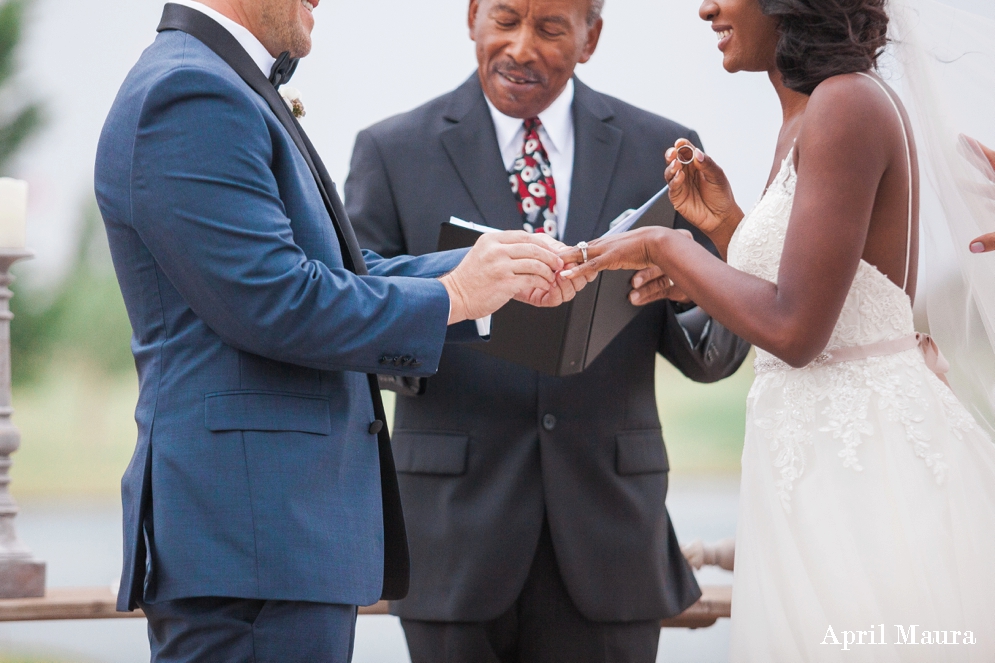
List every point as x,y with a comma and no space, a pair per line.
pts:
484,326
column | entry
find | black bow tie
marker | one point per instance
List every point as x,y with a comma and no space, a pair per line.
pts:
283,69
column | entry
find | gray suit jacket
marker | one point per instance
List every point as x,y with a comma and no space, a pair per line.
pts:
492,448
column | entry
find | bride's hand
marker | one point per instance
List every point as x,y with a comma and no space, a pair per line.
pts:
636,250
701,193
628,250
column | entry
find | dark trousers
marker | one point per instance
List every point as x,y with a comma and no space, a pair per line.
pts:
543,626
212,630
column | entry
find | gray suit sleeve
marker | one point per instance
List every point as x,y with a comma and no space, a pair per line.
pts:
369,200
717,354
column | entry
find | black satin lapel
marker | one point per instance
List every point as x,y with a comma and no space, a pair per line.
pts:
595,157
472,146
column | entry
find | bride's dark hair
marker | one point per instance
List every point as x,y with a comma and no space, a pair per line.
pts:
823,38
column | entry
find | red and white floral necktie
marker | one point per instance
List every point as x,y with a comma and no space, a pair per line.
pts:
532,183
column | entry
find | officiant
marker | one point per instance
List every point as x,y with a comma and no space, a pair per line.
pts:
534,505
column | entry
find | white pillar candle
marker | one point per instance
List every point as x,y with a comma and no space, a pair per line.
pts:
13,213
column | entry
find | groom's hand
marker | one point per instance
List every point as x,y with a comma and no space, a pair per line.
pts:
564,289
500,267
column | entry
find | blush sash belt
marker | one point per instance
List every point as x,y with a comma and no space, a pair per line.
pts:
935,361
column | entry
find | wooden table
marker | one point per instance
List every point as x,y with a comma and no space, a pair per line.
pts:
99,603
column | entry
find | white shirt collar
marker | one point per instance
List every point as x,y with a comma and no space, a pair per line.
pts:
557,120
252,46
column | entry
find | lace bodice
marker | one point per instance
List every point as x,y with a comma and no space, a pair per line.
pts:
875,309
836,401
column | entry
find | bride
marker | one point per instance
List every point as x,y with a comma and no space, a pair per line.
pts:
867,508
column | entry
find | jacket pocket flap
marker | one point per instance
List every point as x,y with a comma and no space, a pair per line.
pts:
430,453
641,452
267,411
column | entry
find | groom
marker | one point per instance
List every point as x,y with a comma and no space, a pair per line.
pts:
261,505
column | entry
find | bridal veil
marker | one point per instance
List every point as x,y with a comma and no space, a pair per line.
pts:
942,62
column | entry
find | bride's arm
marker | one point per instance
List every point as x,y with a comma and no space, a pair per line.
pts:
843,159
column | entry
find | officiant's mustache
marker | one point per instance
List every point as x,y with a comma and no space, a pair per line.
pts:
520,74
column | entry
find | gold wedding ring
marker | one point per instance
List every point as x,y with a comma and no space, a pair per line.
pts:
685,149
583,250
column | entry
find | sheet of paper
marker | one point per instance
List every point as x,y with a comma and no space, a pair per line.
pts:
483,324
472,226
624,223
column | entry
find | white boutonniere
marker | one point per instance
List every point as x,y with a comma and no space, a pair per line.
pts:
292,96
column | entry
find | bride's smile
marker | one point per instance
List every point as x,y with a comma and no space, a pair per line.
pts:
746,37
724,34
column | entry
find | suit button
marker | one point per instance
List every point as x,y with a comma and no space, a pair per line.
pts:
398,361
406,360
415,363
376,427
384,360
549,422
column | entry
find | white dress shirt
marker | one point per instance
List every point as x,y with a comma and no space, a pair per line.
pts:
252,46
557,136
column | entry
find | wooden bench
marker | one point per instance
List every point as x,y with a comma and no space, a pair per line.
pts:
99,603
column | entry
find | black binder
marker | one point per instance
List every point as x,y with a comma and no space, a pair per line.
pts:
564,340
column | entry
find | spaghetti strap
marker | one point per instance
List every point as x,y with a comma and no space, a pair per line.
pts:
908,158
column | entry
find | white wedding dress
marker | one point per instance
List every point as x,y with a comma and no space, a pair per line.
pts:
868,490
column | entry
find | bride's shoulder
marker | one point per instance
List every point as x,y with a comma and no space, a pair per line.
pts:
849,107
859,96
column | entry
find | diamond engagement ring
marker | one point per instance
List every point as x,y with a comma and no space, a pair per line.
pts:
583,251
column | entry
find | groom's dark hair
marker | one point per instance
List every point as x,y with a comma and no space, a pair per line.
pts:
824,38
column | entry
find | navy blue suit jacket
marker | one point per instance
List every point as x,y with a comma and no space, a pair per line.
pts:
255,474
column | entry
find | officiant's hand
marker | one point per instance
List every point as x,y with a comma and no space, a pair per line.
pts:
500,267
701,193
652,284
